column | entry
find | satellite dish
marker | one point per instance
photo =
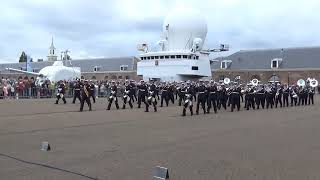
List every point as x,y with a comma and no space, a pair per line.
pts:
301,82
226,81
255,82
314,83
142,47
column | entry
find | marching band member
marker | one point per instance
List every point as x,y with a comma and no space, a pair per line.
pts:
278,96
201,89
294,95
142,93
85,95
164,94
92,91
311,92
61,92
212,97
126,97
113,95
77,90
285,96
188,100
235,98
152,97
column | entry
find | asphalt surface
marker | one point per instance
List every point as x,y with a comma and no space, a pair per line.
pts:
127,144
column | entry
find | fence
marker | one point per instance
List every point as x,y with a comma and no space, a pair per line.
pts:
38,92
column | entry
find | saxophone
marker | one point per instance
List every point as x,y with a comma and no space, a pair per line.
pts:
85,90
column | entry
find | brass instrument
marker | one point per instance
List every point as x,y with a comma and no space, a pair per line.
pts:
85,90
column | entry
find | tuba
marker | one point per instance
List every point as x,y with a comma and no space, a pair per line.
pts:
314,83
226,81
301,83
255,82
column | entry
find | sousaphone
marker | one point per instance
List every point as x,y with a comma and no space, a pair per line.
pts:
226,81
301,82
255,82
314,83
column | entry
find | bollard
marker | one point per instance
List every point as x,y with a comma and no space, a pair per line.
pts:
161,173
45,146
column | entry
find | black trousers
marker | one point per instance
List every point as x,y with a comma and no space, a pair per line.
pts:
294,101
250,102
221,101
285,98
260,100
279,100
115,99
270,102
181,98
93,97
185,106
63,99
75,96
125,101
165,97
235,101
212,102
154,104
85,99
142,98
201,100
311,99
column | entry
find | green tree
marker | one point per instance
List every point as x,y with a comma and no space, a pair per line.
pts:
23,57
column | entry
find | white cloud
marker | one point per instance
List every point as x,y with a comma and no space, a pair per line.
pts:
114,28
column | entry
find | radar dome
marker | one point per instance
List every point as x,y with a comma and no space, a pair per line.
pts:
182,26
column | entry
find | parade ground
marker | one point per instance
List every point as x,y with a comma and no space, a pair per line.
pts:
279,144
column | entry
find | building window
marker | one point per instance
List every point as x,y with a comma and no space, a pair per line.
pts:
161,57
197,57
225,64
124,68
96,68
127,77
178,56
172,57
156,57
185,56
152,57
275,63
141,58
53,51
148,58
195,68
189,57
167,57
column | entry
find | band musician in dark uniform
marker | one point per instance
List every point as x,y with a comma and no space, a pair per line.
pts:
85,96
77,90
61,93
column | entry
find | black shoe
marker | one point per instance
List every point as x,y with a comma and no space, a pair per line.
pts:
108,109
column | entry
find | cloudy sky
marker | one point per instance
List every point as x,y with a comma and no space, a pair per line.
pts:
105,28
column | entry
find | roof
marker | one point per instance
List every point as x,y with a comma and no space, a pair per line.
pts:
86,65
304,57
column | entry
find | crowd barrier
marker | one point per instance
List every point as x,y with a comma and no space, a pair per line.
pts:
38,93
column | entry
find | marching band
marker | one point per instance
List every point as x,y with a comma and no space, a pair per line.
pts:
207,94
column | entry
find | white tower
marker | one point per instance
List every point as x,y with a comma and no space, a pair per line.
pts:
52,52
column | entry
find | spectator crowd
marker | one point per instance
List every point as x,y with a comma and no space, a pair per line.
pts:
28,88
